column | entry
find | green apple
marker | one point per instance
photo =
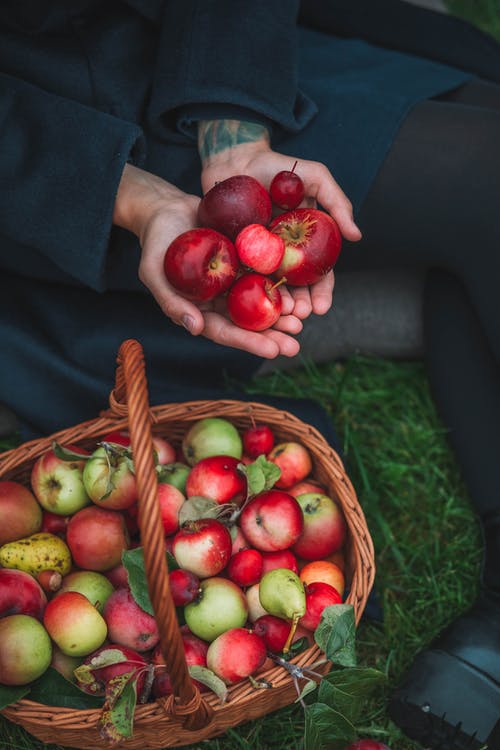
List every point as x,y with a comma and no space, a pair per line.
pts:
211,436
74,624
220,605
95,586
25,649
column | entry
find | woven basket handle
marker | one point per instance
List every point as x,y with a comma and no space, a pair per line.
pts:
131,386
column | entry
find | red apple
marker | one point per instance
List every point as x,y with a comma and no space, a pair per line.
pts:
245,567
287,189
306,485
218,478
367,744
202,547
282,559
74,624
274,632
109,479
324,527
254,302
21,594
312,245
272,521
258,440
96,538
184,586
234,203
53,523
165,451
20,513
259,249
118,437
294,461
201,264
128,661
171,501
128,624
239,541
236,654
195,652
319,595
58,484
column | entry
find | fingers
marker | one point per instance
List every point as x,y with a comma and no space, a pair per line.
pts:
321,186
268,344
322,294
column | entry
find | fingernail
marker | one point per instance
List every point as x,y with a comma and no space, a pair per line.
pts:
188,322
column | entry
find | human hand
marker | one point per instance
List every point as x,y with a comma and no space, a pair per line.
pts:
230,147
157,212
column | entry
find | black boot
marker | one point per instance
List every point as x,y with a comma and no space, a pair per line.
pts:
450,698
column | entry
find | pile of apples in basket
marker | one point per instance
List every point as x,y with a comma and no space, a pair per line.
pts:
254,545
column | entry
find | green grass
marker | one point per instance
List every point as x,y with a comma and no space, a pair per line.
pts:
483,13
425,534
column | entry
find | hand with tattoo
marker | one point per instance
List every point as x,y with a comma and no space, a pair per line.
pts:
230,147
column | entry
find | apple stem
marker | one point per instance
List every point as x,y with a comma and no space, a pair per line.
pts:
279,283
293,628
293,168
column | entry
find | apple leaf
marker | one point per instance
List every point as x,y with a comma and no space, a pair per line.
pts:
52,689
326,728
66,454
210,680
309,687
109,656
261,475
12,693
198,507
346,690
117,717
133,560
336,634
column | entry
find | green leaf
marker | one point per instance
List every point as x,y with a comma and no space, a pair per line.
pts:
12,693
347,690
117,717
261,475
326,728
309,687
133,560
336,634
198,507
66,454
109,656
210,680
52,689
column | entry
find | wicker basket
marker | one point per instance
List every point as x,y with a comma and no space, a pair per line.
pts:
186,717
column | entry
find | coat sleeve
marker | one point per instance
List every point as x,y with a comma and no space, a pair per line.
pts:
60,169
229,58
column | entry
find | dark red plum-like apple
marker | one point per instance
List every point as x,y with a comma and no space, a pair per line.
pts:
258,440
20,513
273,630
184,586
312,245
245,567
254,302
294,461
272,521
201,264
218,478
287,189
202,547
236,654
233,204
128,624
260,249
319,595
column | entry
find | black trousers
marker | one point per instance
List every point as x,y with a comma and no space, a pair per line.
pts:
435,207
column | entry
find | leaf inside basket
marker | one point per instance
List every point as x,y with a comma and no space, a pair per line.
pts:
52,689
133,560
12,693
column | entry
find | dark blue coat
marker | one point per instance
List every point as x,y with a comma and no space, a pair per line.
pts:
87,86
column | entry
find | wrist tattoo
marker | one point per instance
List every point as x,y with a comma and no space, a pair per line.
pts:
215,136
